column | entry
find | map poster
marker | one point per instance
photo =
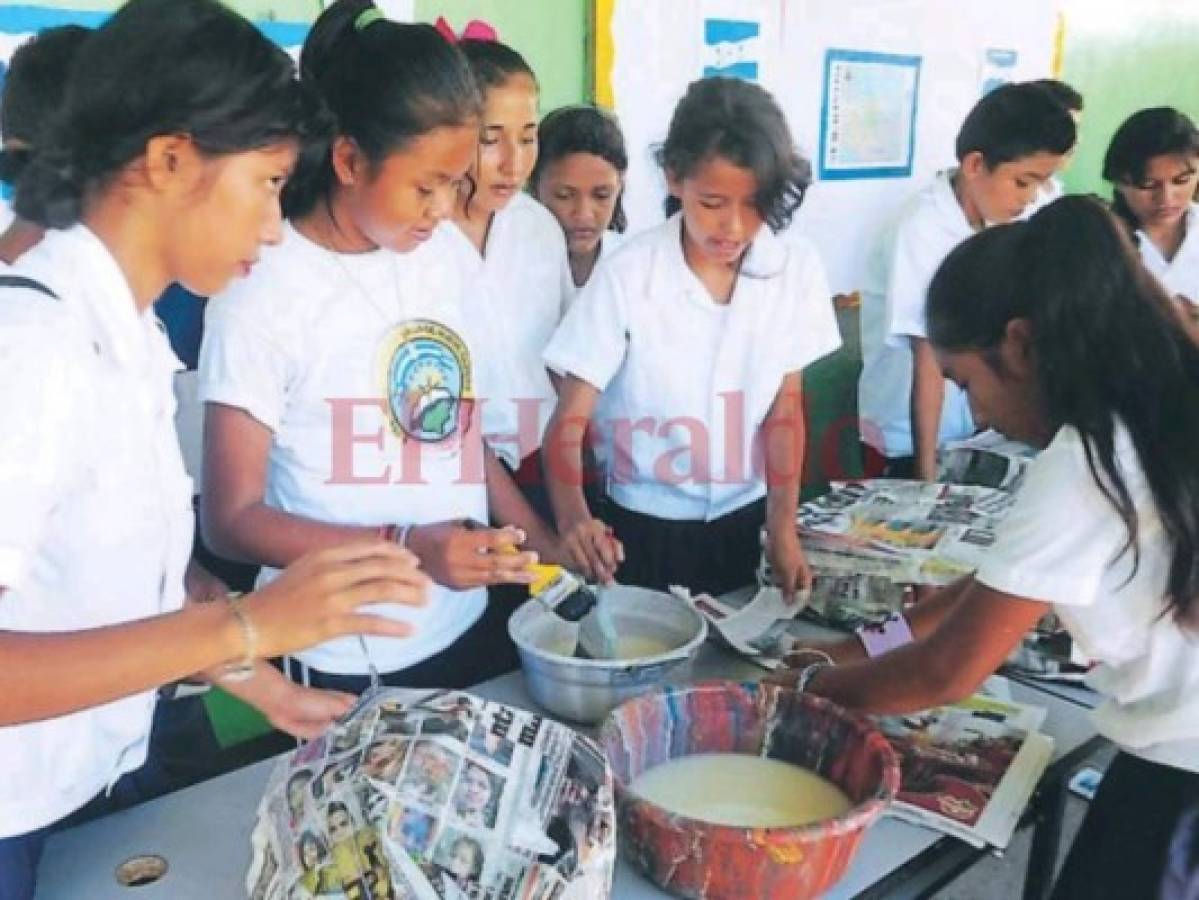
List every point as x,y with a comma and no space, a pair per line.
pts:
868,115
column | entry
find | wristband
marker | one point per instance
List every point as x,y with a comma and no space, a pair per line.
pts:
807,673
244,669
892,632
396,534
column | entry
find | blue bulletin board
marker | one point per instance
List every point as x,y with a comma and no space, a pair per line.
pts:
868,115
19,23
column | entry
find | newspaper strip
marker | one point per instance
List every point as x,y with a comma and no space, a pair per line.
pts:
987,459
425,795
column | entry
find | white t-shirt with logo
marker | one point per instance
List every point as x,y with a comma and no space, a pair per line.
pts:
899,272
362,367
687,382
519,293
1057,545
1180,275
95,507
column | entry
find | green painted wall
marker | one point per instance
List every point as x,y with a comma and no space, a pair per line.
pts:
1123,57
550,34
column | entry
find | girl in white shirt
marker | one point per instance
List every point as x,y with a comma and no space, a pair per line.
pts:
696,333
165,164
1061,339
517,251
340,377
1153,164
579,177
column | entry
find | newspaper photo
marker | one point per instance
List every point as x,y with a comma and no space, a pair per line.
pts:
969,769
909,532
987,459
423,795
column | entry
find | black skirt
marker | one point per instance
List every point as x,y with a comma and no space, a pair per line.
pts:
1122,849
714,557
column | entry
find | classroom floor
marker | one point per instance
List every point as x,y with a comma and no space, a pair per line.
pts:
1002,877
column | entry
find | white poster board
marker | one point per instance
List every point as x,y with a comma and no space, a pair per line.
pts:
660,46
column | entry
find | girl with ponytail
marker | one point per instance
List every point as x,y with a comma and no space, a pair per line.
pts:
340,378
1061,339
178,127
33,89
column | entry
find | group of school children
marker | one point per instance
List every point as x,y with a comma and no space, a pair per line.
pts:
430,358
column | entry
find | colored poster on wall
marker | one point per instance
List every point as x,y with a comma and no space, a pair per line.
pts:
868,115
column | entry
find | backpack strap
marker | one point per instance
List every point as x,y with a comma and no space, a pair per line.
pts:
19,281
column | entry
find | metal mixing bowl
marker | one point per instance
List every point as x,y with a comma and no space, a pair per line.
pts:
584,690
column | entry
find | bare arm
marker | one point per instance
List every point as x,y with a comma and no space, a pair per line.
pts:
972,639
923,619
928,398
588,540
784,435
509,507
51,674
236,523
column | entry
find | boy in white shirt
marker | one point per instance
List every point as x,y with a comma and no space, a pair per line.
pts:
1010,144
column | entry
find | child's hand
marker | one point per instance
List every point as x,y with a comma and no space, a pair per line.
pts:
318,597
302,712
463,555
792,573
593,550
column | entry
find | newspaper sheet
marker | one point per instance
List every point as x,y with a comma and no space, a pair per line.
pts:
969,769
423,795
909,532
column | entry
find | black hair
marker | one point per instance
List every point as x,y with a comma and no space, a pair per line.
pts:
740,122
33,90
493,63
582,129
385,84
1015,121
161,67
1145,134
1065,95
1107,347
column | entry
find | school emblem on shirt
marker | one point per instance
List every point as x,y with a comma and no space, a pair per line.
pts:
428,380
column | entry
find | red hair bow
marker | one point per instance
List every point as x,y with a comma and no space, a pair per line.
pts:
475,30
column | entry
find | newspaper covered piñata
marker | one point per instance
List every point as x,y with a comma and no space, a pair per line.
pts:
428,795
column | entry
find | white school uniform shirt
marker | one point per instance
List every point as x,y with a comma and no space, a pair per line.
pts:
361,367
1052,189
520,291
609,244
95,507
1180,275
687,382
1058,545
899,272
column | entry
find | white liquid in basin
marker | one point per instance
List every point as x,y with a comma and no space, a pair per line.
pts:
740,790
628,646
